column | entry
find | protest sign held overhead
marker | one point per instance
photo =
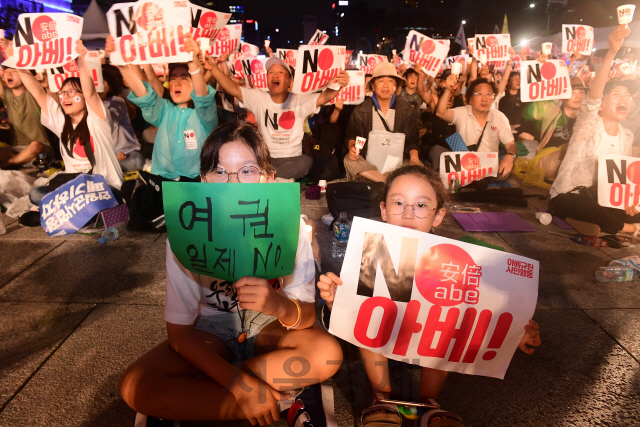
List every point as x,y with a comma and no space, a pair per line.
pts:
494,46
541,82
467,167
69,207
206,23
228,41
247,50
253,71
353,93
60,74
577,38
458,58
229,231
148,32
618,181
319,38
367,62
423,50
288,56
405,292
316,67
44,40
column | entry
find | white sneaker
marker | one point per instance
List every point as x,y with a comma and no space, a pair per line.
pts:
284,180
327,219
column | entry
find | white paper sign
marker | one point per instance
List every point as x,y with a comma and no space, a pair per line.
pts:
206,23
353,93
458,58
228,41
577,37
540,82
428,300
319,38
316,67
367,62
253,71
58,75
423,50
495,46
44,40
618,181
288,56
148,32
467,167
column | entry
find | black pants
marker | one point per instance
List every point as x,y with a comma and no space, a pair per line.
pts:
585,207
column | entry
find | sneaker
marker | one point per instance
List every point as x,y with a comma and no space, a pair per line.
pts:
327,219
312,407
284,180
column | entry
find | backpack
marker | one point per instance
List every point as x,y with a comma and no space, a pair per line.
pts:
354,198
325,164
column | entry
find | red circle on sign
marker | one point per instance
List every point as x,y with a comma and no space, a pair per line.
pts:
208,20
71,66
325,59
548,70
428,47
149,16
224,35
191,135
372,61
44,28
581,32
492,41
633,172
470,161
439,275
246,49
287,119
290,54
256,66
238,65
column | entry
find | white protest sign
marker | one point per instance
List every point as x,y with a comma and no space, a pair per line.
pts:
577,37
423,50
467,167
407,295
458,58
248,49
206,23
353,93
541,82
148,32
494,46
288,56
366,62
319,38
44,40
316,67
228,40
60,74
253,71
618,181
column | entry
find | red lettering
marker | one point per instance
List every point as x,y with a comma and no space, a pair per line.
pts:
127,42
22,51
408,327
615,195
478,336
386,325
452,175
448,332
36,55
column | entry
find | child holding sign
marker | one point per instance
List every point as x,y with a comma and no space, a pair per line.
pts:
421,190
269,335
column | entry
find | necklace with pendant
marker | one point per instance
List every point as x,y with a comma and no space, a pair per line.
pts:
242,314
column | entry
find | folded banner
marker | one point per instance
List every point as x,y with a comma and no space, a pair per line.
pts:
541,82
69,207
207,23
467,167
618,181
353,93
494,46
44,40
149,32
367,62
423,50
288,56
58,75
577,38
316,67
228,40
229,231
407,295
319,38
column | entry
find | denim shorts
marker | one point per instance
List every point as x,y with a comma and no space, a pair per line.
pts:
228,328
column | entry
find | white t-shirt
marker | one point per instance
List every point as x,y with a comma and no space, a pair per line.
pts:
190,295
498,129
281,125
101,141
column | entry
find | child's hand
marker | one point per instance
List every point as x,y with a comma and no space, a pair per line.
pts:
258,401
255,293
110,45
80,49
328,284
531,338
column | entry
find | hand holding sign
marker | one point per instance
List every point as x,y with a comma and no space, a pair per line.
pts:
531,338
342,79
617,37
327,284
255,293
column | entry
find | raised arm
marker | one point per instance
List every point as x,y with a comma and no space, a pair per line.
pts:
507,71
35,89
131,78
153,80
328,94
335,115
422,92
442,111
228,85
91,96
602,75
197,75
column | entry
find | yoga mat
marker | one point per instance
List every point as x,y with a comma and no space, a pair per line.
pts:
492,221
560,223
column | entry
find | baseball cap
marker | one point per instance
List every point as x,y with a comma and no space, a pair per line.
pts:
632,85
276,61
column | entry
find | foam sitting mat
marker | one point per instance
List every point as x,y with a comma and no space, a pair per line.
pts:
492,221
560,223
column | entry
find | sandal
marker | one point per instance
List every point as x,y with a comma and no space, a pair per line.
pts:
381,415
449,420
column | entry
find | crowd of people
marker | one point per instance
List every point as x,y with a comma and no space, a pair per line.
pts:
215,367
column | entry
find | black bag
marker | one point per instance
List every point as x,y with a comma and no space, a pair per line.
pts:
354,198
325,164
60,179
146,209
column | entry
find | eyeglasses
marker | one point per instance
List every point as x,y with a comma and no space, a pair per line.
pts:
484,95
71,93
246,174
421,210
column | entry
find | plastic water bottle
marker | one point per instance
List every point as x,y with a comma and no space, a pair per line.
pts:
341,231
113,233
615,273
43,165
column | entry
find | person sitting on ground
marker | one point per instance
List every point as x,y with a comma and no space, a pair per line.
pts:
280,114
482,127
409,92
421,190
383,111
227,352
597,132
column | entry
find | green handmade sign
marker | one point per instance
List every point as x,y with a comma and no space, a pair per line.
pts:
229,231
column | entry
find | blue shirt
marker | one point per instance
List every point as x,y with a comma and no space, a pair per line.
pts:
181,131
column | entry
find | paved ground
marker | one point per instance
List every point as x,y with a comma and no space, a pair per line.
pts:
74,314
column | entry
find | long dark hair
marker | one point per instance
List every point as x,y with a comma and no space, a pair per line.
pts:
70,135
